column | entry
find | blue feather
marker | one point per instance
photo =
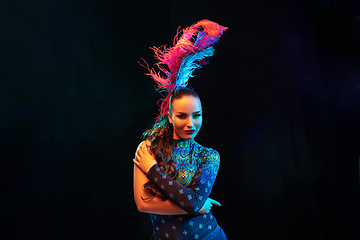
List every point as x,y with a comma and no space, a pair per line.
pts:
189,64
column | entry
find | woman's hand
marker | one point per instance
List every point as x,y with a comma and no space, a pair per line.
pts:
143,158
208,205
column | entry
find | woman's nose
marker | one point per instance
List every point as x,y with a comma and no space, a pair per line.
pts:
190,122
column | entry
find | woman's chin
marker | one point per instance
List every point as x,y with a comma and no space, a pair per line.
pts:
184,136
188,136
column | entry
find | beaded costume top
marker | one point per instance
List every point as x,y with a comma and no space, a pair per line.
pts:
197,168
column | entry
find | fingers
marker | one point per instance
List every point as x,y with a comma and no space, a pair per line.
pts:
136,162
212,201
140,152
202,212
137,156
143,148
210,206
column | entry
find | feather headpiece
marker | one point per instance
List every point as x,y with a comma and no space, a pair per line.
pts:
188,53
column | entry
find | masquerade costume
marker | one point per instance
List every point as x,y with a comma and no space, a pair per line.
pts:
197,168
196,165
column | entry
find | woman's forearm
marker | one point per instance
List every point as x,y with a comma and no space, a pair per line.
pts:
152,204
157,206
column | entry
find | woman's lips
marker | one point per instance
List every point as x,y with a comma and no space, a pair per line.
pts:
189,131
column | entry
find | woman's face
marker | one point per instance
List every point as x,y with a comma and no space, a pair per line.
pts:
186,117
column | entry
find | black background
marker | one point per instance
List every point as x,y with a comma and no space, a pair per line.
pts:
281,101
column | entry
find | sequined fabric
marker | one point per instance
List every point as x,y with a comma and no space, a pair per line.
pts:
197,169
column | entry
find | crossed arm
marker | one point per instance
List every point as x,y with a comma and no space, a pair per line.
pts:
143,162
152,205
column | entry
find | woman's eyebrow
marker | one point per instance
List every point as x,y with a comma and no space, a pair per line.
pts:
192,113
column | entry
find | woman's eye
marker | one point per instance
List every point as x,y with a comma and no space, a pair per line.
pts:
197,115
181,116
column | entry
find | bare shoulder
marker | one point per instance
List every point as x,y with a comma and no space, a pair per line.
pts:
143,143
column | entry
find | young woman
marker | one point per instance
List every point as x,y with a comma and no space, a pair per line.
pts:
173,174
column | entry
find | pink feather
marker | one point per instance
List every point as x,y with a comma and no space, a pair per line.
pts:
196,38
172,57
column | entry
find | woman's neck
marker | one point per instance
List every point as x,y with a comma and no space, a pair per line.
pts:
181,142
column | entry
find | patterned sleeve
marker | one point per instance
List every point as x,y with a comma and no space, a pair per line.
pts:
193,197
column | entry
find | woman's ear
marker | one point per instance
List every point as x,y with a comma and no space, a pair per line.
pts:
169,117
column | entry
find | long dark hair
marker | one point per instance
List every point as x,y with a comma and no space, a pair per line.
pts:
161,137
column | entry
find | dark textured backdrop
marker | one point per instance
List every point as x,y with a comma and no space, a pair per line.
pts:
281,102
